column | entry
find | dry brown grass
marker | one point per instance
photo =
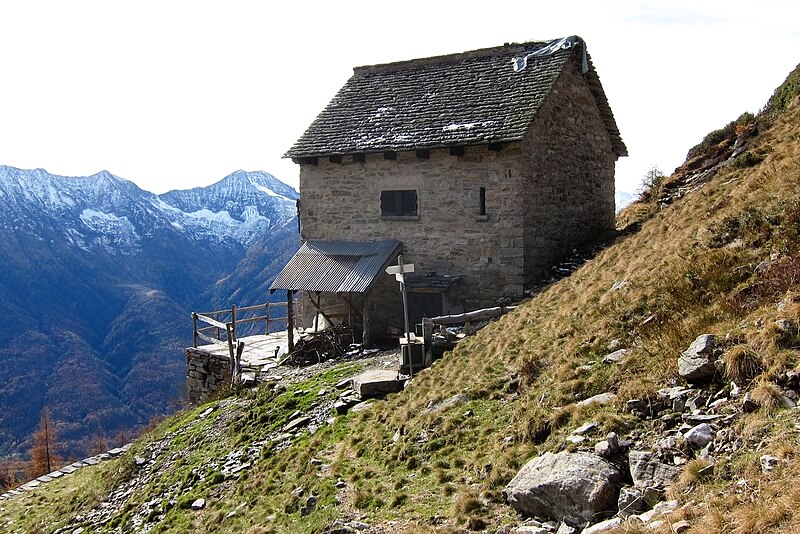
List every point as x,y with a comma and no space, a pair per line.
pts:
742,364
768,395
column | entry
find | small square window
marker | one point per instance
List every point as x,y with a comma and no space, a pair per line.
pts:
399,203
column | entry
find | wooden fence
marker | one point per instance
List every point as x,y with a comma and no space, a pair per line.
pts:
221,327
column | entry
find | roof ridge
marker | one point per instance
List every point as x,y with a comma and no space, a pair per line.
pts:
507,48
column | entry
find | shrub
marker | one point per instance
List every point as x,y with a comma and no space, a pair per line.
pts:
748,159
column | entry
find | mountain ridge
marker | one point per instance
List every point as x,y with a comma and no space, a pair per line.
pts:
99,263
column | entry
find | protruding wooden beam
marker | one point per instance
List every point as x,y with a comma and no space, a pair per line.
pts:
335,158
456,150
359,158
495,147
390,154
423,153
309,160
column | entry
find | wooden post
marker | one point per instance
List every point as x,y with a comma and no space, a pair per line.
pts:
237,370
194,324
266,315
289,319
231,352
233,320
427,330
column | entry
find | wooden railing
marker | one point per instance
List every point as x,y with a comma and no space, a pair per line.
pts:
222,326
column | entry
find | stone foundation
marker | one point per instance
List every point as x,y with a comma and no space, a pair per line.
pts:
206,373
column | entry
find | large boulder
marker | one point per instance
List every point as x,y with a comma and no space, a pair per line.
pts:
574,487
697,362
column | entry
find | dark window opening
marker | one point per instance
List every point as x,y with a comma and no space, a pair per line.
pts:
402,203
482,201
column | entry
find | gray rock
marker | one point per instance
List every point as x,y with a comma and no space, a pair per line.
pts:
603,526
699,436
530,529
448,403
697,362
748,404
680,527
677,392
768,463
607,447
564,528
658,510
361,406
702,418
341,407
616,356
696,402
376,382
636,405
586,428
636,500
602,398
647,471
199,504
577,487
296,423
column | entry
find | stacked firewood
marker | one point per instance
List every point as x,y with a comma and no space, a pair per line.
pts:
316,347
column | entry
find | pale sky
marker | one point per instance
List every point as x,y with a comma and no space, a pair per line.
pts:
177,94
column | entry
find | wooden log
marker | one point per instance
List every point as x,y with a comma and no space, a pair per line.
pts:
477,315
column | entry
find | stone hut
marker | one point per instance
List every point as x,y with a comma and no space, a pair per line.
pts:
486,166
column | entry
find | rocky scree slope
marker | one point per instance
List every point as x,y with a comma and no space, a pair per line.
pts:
666,363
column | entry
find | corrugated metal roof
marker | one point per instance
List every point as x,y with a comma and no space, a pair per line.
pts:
336,266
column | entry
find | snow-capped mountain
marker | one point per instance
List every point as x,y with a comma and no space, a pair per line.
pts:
99,275
109,212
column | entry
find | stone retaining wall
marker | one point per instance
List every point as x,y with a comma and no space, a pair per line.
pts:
206,373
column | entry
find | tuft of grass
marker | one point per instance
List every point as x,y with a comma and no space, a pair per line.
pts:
768,395
693,473
742,364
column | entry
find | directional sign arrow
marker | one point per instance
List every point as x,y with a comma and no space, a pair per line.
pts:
397,269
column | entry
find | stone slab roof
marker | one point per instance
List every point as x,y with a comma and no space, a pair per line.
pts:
430,282
469,98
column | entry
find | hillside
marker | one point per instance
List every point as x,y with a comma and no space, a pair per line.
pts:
97,282
712,249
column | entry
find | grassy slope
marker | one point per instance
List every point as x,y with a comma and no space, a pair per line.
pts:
690,269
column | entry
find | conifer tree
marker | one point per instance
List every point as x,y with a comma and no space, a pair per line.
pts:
43,457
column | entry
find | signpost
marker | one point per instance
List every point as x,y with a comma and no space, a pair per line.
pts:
399,272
